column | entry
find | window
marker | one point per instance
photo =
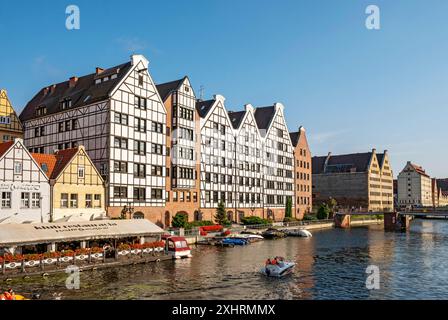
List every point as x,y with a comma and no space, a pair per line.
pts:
75,124
17,167
207,196
81,172
139,194
175,196
156,171
97,203
66,103
215,196
64,200
140,80
121,118
139,147
139,170
88,201
120,166
74,200
121,143
25,200
6,200
280,133
156,193
181,196
195,197
68,124
140,125
156,127
120,192
207,177
157,148
61,127
35,200
140,102
223,129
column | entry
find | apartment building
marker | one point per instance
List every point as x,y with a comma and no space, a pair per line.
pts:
278,160
183,141
414,187
303,174
442,186
248,179
77,189
217,169
24,187
119,117
10,126
360,181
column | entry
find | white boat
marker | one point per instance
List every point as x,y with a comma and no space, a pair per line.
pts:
299,233
278,270
250,237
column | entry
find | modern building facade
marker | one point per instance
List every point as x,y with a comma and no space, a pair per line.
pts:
360,181
302,172
77,188
10,126
414,187
24,187
118,116
183,140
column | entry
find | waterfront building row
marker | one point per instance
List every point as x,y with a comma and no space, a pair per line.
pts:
162,151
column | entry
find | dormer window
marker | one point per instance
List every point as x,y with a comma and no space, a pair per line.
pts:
114,76
97,81
66,103
44,167
40,111
105,79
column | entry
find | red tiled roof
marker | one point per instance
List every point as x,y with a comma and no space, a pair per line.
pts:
5,147
55,163
419,170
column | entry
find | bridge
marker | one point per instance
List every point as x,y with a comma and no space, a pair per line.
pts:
393,221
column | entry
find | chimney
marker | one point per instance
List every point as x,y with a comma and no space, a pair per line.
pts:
52,88
73,81
46,90
373,150
99,70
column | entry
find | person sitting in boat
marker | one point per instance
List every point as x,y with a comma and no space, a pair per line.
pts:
268,262
9,295
274,261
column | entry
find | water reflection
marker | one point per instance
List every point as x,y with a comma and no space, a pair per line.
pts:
331,265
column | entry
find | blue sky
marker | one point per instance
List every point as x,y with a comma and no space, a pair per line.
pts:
353,89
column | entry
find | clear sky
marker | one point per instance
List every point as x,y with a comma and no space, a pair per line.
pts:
353,89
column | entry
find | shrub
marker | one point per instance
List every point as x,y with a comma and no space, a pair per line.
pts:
289,219
180,220
253,220
309,217
323,212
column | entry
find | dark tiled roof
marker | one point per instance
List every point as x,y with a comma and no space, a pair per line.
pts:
5,147
236,118
166,88
356,162
203,107
442,184
380,157
294,138
263,116
84,92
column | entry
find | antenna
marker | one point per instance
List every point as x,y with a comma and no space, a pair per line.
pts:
201,92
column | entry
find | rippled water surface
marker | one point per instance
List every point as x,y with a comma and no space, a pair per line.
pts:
331,265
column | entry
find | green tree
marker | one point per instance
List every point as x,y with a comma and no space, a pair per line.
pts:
220,216
323,212
332,205
288,208
180,220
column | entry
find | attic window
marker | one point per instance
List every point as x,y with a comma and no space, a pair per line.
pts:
87,98
44,167
140,80
105,79
66,103
40,111
187,89
114,76
97,81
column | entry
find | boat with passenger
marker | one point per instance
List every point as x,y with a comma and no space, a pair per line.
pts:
277,267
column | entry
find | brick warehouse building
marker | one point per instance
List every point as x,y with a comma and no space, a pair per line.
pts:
162,152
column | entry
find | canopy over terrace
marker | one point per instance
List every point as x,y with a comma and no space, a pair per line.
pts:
32,234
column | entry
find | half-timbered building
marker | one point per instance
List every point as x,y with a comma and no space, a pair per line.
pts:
10,126
118,116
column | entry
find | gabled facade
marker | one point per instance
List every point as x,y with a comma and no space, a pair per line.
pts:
182,163
24,187
278,160
10,126
118,116
248,180
356,181
302,173
77,189
217,157
414,187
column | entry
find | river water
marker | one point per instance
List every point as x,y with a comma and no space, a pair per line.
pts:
330,265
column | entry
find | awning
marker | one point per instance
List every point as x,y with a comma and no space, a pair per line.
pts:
29,234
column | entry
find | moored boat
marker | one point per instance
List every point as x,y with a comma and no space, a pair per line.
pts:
272,233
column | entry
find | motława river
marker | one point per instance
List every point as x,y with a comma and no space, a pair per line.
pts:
331,265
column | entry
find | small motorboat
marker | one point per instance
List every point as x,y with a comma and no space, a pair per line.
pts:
299,233
278,269
178,247
272,233
235,241
248,237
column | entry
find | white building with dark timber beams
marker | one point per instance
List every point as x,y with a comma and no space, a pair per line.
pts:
278,160
119,117
249,164
217,158
24,187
